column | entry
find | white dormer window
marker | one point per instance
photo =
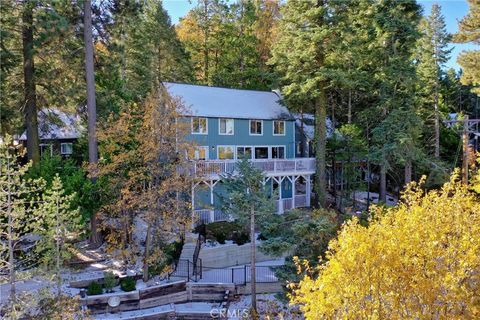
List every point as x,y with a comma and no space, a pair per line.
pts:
225,126
256,127
199,125
278,127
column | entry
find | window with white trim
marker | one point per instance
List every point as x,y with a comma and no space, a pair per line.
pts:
200,153
278,127
199,125
66,148
278,152
225,126
256,127
244,152
261,152
226,152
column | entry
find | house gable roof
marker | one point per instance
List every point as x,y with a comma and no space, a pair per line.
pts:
215,102
55,124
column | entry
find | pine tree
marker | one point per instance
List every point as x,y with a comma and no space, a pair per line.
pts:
249,201
230,43
470,32
91,111
395,26
41,67
300,55
56,221
432,55
18,207
30,95
153,52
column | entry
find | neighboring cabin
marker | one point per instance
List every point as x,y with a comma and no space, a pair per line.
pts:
228,124
58,131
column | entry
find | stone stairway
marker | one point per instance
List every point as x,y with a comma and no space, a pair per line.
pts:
189,247
187,251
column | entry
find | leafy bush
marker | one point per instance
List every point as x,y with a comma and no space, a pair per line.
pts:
173,251
127,284
223,230
74,179
109,281
240,237
167,255
436,234
94,288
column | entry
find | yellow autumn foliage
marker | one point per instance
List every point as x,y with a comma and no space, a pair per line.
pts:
420,260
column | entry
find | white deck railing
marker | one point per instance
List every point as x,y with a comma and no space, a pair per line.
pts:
210,215
269,166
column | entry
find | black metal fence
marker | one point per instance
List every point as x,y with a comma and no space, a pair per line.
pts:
186,269
237,275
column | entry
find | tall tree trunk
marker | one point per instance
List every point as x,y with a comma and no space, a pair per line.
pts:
57,248
146,257
321,127
253,278
30,95
349,115
383,184
334,155
11,257
123,64
408,172
321,132
205,44
303,137
465,151
91,109
437,123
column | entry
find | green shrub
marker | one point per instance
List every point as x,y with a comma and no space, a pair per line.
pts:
240,237
94,288
224,230
168,255
127,284
109,281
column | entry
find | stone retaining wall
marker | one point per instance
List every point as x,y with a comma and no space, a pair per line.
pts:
229,255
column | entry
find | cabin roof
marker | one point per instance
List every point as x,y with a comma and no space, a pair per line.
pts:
55,124
216,102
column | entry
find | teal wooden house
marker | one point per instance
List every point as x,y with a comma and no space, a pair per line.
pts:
229,124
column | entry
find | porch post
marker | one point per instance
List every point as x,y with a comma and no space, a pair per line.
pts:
193,205
308,190
211,185
294,179
280,202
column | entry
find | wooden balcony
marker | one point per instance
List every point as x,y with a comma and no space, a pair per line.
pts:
271,167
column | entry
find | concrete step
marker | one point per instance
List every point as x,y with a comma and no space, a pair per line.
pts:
187,251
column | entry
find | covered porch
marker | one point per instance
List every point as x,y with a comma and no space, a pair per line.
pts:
290,191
